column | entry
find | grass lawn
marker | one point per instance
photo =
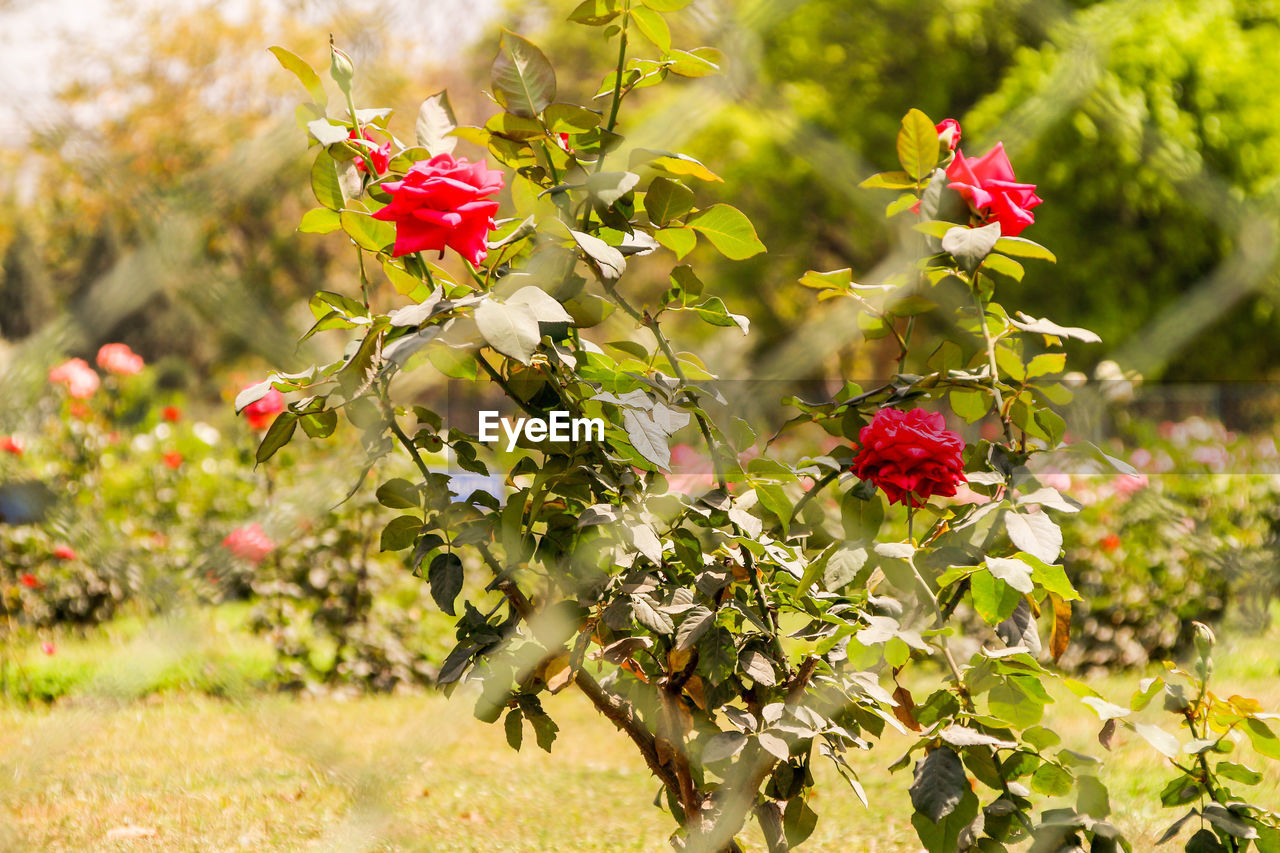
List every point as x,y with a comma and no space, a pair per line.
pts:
267,773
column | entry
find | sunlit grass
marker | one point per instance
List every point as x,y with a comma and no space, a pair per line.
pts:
417,772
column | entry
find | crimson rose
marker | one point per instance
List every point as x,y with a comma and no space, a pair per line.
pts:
987,183
443,202
910,456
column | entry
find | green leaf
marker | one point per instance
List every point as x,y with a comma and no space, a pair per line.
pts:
304,72
435,126
717,656
397,493
1015,573
994,599
1263,739
1035,533
699,62
570,118
678,240
512,331
320,220
1238,773
653,27
666,200
943,836
918,144
889,181
1204,841
445,576
696,623
729,231
940,782
970,405
666,5
596,13
609,260
647,437
970,246
1053,578
1004,266
714,312
1046,327
325,182
366,232
319,424
400,533
843,567
524,82
798,821
1046,363
1021,247
1051,780
1009,702
513,727
672,163
278,435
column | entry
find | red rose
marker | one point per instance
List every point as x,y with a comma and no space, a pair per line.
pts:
948,133
443,202
261,412
81,379
173,459
372,155
911,456
987,184
249,543
30,581
64,552
172,414
119,359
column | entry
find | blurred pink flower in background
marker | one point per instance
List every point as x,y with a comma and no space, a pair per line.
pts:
1056,480
249,543
12,444
120,360
64,552
1127,484
48,648
261,412
75,373
30,581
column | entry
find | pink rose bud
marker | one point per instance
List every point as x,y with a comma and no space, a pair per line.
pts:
949,133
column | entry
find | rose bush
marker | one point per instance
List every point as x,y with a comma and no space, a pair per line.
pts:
665,608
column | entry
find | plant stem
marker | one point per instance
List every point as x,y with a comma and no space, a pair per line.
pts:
826,480
991,364
617,80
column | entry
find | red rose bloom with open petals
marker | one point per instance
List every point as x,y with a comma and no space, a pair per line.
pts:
911,456
441,203
987,184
